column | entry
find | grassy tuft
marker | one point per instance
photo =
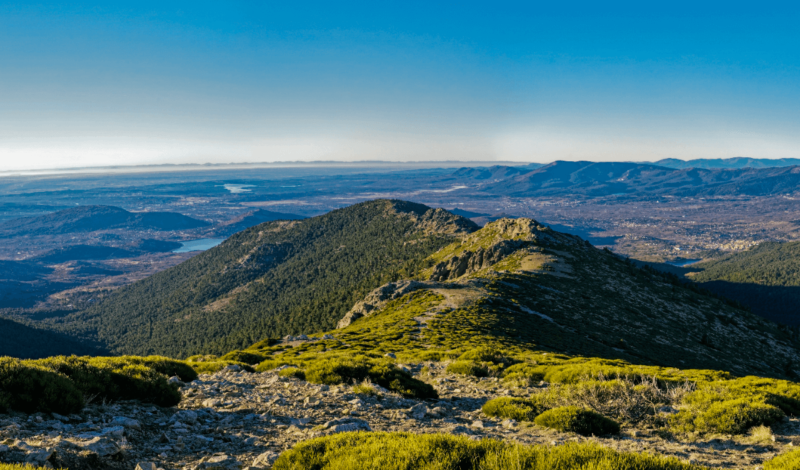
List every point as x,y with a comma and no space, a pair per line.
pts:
294,372
405,451
577,420
471,368
787,461
520,409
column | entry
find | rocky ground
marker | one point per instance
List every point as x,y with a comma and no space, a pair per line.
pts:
235,419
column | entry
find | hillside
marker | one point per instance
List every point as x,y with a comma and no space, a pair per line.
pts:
254,218
517,283
766,278
92,218
274,279
19,340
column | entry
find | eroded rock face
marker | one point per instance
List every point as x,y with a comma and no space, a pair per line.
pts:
473,261
378,298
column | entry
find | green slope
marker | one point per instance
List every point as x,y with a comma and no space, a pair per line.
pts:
766,278
24,341
518,286
278,278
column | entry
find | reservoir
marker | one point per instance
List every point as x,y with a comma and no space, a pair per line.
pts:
202,244
683,262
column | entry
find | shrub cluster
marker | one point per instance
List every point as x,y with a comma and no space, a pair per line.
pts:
406,451
482,361
520,409
61,384
333,370
577,420
787,461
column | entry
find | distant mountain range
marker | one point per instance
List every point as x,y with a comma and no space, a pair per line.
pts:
593,179
92,218
728,163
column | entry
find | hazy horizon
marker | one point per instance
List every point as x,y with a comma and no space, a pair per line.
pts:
123,83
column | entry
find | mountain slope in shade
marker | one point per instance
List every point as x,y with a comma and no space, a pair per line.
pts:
273,279
766,278
92,218
18,340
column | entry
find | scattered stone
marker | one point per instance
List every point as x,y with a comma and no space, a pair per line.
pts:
347,425
218,462
477,424
509,423
126,422
146,466
328,336
102,446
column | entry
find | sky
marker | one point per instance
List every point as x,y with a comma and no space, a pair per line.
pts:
128,83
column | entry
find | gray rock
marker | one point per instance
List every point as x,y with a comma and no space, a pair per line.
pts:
327,336
123,421
176,380
390,355
301,338
39,457
477,424
418,411
102,446
347,425
3,448
146,466
218,462
265,460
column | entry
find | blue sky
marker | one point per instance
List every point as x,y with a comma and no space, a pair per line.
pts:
195,82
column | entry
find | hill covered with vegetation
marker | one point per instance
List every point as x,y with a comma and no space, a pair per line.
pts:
277,278
766,278
92,218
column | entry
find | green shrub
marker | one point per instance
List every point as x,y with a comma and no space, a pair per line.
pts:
293,372
787,461
524,374
339,369
202,358
577,420
406,451
30,388
365,388
468,368
520,409
19,466
216,366
270,364
248,357
728,417
122,378
485,354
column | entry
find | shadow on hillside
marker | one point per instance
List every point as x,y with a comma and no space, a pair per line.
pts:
780,304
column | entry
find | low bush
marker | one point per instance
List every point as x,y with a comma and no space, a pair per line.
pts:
293,372
787,461
577,420
524,374
30,388
202,358
335,370
471,368
270,364
365,388
216,366
520,409
406,451
247,357
121,378
486,354
19,466
727,417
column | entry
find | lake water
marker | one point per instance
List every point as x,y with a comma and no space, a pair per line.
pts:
202,244
683,262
